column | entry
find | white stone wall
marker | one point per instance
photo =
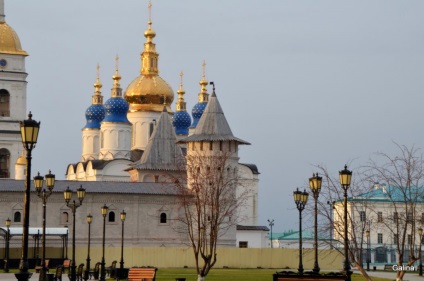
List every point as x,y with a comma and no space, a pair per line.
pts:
141,121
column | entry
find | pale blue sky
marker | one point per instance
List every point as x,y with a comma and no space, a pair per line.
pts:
306,82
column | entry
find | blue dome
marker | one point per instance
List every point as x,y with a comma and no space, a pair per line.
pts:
116,110
181,122
94,115
197,112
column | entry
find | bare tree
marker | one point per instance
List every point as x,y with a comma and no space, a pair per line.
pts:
332,211
209,202
401,178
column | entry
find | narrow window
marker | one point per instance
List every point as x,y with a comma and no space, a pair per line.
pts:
379,217
243,244
4,103
395,239
410,217
229,146
111,217
201,145
65,218
422,218
156,178
220,146
380,238
163,218
4,163
409,239
151,127
362,216
210,145
396,217
17,217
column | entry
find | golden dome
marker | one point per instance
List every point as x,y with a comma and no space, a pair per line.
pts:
9,41
21,160
146,93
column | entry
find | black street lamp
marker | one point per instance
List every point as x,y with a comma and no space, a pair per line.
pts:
300,198
43,194
73,206
345,177
103,271
6,262
367,234
29,134
271,224
315,185
87,268
420,233
121,271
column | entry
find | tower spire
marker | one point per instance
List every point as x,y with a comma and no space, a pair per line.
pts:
2,16
97,97
203,95
149,56
116,90
181,104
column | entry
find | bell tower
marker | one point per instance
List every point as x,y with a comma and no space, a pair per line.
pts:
13,87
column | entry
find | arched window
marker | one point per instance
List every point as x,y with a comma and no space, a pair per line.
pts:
4,163
4,103
17,217
64,218
163,218
111,217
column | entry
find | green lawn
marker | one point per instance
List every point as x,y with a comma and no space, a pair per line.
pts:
230,275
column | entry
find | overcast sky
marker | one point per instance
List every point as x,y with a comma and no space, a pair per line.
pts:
306,82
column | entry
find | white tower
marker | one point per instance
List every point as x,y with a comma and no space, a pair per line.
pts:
12,96
91,132
147,94
115,129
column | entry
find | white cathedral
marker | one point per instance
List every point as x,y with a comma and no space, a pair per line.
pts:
130,145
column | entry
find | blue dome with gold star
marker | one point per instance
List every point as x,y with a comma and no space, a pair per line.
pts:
181,121
197,112
116,109
94,115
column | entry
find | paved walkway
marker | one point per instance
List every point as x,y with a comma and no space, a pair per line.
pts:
392,275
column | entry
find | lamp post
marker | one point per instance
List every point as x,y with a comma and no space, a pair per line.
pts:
102,271
367,234
73,206
121,270
345,177
87,268
6,263
271,224
420,233
29,134
43,194
300,198
315,186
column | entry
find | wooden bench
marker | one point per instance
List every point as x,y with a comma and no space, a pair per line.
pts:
388,267
142,274
39,267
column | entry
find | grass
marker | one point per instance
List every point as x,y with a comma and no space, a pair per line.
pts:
169,274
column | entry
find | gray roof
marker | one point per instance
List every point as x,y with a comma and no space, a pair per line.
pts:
162,151
252,227
213,125
146,188
50,231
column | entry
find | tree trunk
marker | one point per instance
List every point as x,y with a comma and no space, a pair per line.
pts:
200,278
363,272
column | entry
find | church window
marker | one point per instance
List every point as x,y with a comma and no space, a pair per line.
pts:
220,145
156,178
17,217
151,127
210,145
229,146
4,163
201,145
4,103
163,218
111,217
65,218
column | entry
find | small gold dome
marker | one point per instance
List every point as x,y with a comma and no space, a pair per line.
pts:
146,93
21,160
9,41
